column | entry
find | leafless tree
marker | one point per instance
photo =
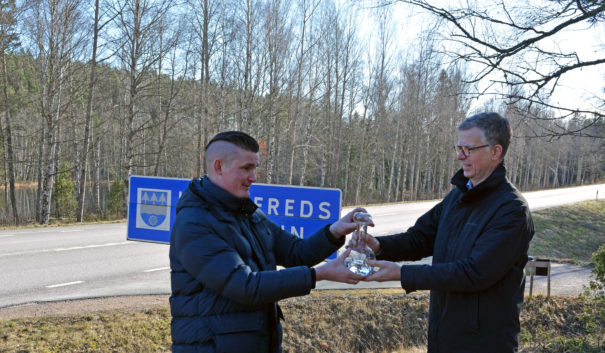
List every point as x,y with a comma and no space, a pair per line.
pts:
514,44
55,27
178,69
202,17
307,9
8,40
278,36
81,173
137,24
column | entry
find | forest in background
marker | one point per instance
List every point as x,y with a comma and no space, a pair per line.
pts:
95,92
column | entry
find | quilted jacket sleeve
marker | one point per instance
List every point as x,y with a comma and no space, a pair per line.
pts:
291,250
217,265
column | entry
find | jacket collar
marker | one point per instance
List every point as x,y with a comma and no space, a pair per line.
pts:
477,192
226,201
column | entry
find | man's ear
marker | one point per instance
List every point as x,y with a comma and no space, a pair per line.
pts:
217,167
496,152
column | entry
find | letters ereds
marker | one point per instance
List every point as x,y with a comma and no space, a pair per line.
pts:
293,208
298,210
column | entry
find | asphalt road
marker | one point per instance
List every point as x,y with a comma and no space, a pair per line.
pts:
74,262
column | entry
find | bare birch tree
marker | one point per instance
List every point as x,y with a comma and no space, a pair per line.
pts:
54,25
81,173
8,40
137,22
203,23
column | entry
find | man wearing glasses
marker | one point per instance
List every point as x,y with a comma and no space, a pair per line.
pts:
478,236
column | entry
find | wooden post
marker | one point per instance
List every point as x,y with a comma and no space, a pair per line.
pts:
531,271
538,267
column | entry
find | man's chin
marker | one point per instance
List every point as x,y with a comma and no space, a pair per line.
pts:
244,194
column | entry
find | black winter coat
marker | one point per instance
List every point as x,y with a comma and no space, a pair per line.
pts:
225,286
479,241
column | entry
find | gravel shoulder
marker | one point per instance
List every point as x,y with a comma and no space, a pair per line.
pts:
84,306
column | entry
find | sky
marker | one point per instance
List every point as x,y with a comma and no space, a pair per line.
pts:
582,84
575,89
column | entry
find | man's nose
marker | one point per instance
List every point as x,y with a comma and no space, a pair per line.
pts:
253,177
460,155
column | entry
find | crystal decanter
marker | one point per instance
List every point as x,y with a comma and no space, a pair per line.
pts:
356,261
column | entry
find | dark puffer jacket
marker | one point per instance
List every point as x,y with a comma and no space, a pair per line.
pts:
225,286
479,241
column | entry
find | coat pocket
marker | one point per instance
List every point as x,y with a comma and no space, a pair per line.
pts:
240,332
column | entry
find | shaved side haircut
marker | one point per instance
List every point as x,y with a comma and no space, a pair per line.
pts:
225,145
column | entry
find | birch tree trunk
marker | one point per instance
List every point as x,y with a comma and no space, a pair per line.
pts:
8,131
85,143
54,27
393,159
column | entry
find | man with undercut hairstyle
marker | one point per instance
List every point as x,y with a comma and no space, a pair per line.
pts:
224,252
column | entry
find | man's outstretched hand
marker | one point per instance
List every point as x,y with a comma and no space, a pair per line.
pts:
388,271
346,224
336,270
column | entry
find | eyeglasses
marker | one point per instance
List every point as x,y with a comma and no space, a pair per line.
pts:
466,150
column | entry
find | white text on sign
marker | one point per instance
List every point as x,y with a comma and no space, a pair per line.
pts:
288,207
299,232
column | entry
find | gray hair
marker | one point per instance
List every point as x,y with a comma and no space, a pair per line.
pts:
495,128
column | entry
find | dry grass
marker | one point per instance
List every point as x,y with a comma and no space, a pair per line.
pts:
355,321
121,331
569,233
326,321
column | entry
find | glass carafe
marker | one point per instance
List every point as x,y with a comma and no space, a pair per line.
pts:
356,261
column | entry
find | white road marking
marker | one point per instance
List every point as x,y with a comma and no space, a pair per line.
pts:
7,235
157,269
38,231
70,230
91,246
66,249
64,284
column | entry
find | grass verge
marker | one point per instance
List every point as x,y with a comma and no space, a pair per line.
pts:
326,321
569,233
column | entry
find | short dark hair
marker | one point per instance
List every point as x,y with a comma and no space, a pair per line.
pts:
495,127
238,138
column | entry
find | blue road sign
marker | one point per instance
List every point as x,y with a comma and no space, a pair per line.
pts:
299,210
